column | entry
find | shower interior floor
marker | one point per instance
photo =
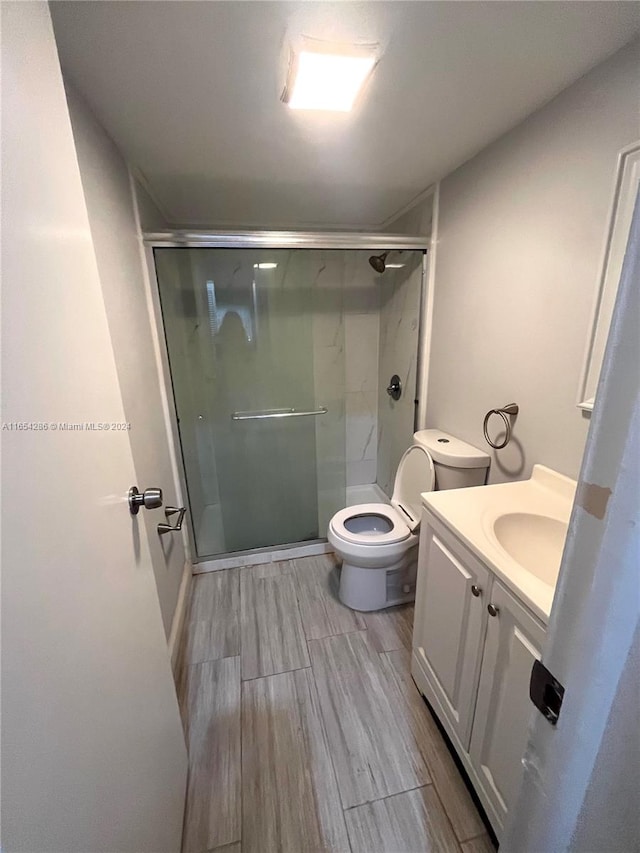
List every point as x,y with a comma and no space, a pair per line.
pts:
370,493
304,728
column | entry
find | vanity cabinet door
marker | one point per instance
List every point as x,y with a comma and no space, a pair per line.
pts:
514,640
450,620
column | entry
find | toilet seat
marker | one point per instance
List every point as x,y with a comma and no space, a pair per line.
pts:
370,524
415,475
375,525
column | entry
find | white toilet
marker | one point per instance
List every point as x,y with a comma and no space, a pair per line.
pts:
378,543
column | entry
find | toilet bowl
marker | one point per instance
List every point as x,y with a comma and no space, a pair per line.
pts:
378,543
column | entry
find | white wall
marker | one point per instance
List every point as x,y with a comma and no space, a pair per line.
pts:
105,181
151,217
520,235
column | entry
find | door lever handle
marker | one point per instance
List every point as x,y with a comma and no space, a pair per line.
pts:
169,511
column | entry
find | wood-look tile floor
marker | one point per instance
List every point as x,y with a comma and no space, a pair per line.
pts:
304,728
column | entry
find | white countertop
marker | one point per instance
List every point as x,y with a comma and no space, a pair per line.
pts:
470,514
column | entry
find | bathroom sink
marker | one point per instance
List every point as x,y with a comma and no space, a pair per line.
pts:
534,541
517,530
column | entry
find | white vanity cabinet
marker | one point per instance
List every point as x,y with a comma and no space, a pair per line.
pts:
449,626
473,667
514,640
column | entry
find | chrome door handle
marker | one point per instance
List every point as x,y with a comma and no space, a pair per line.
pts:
165,527
476,591
149,499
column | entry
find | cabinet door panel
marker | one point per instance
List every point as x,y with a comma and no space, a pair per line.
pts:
514,641
449,623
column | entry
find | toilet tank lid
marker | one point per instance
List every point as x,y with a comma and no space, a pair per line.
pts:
451,451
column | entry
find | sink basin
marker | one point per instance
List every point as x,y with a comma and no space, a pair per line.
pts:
534,541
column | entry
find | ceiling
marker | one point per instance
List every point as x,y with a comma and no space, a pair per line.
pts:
190,92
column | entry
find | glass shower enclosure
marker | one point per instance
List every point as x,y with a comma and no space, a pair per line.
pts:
257,363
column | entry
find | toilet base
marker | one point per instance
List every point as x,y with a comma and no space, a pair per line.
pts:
374,589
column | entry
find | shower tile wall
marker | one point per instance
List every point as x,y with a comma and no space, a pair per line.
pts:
399,320
361,397
329,376
362,307
346,324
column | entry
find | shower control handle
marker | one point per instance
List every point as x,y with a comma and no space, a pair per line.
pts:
394,388
149,499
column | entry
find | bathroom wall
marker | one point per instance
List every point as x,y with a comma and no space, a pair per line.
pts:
520,236
105,182
151,217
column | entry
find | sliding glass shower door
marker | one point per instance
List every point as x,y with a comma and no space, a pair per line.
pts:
258,381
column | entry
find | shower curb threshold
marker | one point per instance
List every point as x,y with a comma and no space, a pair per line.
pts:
258,558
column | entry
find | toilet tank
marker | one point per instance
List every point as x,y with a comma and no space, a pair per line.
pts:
456,463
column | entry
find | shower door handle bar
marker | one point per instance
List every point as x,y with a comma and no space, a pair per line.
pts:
277,413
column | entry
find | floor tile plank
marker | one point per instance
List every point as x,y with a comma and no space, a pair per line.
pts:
451,788
290,797
212,705
269,570
272,637
371,745
212,629
413,822
482,844
391,629
323,614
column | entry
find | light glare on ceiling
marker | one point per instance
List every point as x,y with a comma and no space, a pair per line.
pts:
265,266
325,81
394,266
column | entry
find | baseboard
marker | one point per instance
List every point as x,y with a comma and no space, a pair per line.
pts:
179,614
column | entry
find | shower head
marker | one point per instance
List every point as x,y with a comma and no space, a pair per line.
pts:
378,262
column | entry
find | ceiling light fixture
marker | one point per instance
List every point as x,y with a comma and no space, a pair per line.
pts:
265,266
394,266
328,77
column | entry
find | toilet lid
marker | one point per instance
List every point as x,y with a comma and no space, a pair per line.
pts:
370,524
415,475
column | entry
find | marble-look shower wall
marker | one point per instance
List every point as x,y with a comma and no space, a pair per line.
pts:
362,307
399,326
327,269
345,342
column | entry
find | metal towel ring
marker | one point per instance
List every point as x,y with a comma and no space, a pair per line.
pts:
506,413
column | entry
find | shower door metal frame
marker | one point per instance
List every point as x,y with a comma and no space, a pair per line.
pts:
195,239
284,240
